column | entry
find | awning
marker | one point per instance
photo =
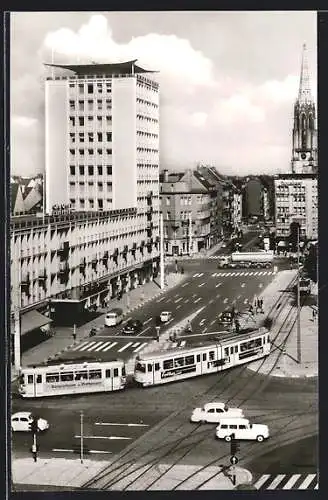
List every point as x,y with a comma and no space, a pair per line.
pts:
33,320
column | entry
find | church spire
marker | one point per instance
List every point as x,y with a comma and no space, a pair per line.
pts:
304,93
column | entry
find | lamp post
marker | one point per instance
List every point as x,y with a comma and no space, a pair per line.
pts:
299,350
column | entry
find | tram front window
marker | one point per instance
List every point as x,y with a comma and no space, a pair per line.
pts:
140,367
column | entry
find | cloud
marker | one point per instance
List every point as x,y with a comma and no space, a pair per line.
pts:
238,109
26,145
23,121
198,119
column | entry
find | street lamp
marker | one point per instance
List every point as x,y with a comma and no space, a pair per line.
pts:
298,221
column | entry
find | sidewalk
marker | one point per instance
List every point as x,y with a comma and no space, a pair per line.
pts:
70,473
63,340
203,254
287,364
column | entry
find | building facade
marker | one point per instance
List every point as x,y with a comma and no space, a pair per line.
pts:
189,207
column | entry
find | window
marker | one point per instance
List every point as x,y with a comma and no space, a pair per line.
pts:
109,136
107,374
81,105
81,375
108,118
30,379
99,136
198,358
168,364
66,377
90,118
81,120
100,204
72,169
223,426
100,169
52,377
178,362
219,410
156,367
81,169
189,360
211,355
90,151
231,350
115,372
140,368
226,352
99,118
81,152
236,348
90,136
109,151
81,88
99,151
90,88
233,426
90,169
150,367
204,356
94,374
242,426
81,136
39,379
109,170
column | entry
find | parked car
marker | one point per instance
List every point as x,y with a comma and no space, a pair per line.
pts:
132,327
165,316
225,317
215,412
241,428
22,420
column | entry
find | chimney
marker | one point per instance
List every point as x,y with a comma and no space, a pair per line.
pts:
166,176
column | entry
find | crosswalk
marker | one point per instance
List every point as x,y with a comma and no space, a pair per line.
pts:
102,346
287,482
236,273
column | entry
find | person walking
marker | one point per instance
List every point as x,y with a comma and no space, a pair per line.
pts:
261,305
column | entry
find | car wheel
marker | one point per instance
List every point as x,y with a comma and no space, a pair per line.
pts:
260,439
227,438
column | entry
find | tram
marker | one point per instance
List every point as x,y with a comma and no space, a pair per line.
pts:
202,359
58,378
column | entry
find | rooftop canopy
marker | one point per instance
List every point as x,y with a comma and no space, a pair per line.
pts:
120,68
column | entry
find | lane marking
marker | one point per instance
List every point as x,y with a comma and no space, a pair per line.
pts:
212,322
179,306
225,300
160,300
219,284
199,298
143,331
140,347
176,295
213,275
87,346
72,451
186,301
261,481
307,481
218,296
291,481
135,345
202,284
102,346
212,300
96,345
120,424
243,285
178,300
77,347
103,437
126,320
185,284
245,301
109,347
203,331
277,480
145,322
125,347
202,321
201,274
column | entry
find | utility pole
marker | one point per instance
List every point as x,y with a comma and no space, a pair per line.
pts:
161,251
190,234
81,434
299,350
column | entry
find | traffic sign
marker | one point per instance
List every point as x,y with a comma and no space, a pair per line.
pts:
233,460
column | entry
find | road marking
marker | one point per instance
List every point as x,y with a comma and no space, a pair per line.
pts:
245,301
199,298
126,320
243,285
183,343
102,346
125,347
212,300
143,331
277,480
89,451
260,285
316,486
212,322
96,345
186,301
218,296
219,284
109,347
247,274
160,300
147,321
291,481
202,321
87,346
213,275
140,347
179,306
306,481
122,425
194,295
202,284
178,300
241,274
238,296
77,347
103,437
185,284
203,331
135,345
176,295
225,300
262,480
201,274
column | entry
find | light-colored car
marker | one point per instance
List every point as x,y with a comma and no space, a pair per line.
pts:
22,420
165,316
215,412
241,428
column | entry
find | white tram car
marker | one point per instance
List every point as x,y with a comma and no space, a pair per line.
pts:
202,359
72,377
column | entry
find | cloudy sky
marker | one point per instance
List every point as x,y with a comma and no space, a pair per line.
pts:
228,79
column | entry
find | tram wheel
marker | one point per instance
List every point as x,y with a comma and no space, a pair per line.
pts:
227,438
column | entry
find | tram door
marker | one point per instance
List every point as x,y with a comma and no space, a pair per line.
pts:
230,356
34,384
150,373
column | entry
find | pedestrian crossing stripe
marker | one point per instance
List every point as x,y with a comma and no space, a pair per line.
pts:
88,346
251,273
287,482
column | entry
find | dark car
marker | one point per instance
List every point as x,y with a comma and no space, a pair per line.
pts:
132,327
225,317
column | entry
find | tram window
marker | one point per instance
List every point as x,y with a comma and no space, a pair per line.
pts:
268,338
226,351
204,356
236,348
30,379
233,426
168,364
115,372
94,374
140,368
123,371
178,362
263,340
223,426
190,360
231,350
198,358
150,368
81,375
66,377
156,367
107,373
52,377
242,427
39,378
211,355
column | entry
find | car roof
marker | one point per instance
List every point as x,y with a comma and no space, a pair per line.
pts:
236,420
166,312
213,405
21,414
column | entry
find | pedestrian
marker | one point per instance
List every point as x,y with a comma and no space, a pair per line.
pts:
261,305
256,305
74,336
251,310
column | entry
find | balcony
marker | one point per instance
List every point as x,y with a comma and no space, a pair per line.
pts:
42,275
63,273
149,209
63,251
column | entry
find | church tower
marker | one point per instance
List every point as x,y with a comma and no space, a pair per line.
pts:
304,155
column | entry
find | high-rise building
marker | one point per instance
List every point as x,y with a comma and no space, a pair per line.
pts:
304,153
296,193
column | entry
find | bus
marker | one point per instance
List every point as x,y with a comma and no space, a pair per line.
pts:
202,359
81,376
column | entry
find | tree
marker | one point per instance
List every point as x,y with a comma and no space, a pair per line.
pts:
293,237
311,264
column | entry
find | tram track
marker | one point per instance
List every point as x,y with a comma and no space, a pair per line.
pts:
103,473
